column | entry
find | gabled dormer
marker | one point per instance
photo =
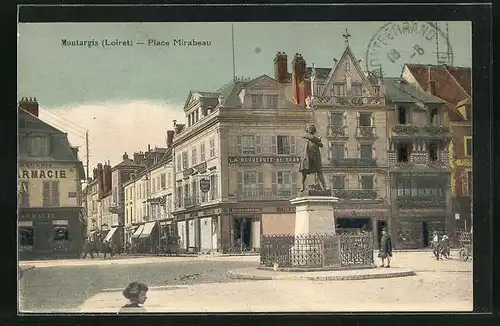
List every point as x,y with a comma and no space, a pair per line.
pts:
263,92
198,105
347,78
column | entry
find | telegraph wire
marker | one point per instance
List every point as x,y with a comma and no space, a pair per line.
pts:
65,119
56,122
63,127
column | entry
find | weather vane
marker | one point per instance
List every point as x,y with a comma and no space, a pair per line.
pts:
346,36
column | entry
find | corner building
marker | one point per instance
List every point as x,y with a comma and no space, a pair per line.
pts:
244,140
51,217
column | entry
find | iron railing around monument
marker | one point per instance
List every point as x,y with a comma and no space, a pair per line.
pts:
316,250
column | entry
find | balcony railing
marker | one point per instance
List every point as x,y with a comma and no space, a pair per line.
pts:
116,209
421,201
433,130
350,101
337,131
355,194
354,162
266,194
366,132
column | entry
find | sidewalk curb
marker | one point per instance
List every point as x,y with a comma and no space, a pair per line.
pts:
235,274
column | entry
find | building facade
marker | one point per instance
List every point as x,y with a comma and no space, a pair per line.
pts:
349,113
51,218
453,85
197,159
148,199
418,137
236,164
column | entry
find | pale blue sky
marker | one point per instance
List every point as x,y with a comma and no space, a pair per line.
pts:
61,76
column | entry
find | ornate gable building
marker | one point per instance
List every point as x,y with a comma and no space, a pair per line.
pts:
350,115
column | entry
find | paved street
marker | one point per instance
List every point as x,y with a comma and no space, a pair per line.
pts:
190,284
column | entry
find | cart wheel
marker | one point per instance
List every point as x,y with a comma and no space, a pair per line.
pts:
463,255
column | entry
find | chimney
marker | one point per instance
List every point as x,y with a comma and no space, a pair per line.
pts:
281,67
298,75
170,138
149,148
107,177
100,176
431,84
138,158
125,156
178,128
94,174
30,105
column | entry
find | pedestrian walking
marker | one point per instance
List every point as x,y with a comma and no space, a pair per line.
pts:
435,244
385,251
136,293
445,246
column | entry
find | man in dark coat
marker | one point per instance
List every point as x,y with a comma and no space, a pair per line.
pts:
385,248
311,161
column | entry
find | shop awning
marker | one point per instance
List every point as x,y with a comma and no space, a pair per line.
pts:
110,234
148,228
138,232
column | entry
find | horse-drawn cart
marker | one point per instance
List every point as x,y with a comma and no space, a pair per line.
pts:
465,240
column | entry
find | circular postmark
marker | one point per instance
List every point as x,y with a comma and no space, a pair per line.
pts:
398,43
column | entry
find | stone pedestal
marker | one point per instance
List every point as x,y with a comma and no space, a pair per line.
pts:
314,214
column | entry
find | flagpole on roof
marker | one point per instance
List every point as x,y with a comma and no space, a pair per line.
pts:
232,43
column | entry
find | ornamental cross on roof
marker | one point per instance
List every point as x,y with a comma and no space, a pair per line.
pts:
346,36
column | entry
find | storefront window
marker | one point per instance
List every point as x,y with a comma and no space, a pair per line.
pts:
26,235
60,230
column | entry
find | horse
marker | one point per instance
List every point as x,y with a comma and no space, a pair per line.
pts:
108,248
90,247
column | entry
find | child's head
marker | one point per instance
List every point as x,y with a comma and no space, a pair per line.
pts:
136,292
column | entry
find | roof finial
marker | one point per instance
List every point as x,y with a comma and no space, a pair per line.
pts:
346,36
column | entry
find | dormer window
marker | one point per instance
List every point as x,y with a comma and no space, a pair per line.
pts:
338,90
38,146
256,101
356,90
402,115
433,117
272,101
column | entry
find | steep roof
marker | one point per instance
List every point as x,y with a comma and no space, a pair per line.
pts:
463,76
60,148
446,87
399,90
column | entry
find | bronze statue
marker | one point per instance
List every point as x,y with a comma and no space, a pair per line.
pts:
311,161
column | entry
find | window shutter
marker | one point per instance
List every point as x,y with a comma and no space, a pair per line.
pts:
346,151
274,145
257,145
344,114
238,144
373,151
274,183
360,181
55,193
375,181
294,183
330,118
359,149
372,118
260,181
292,145
357,118
331,151
240,182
